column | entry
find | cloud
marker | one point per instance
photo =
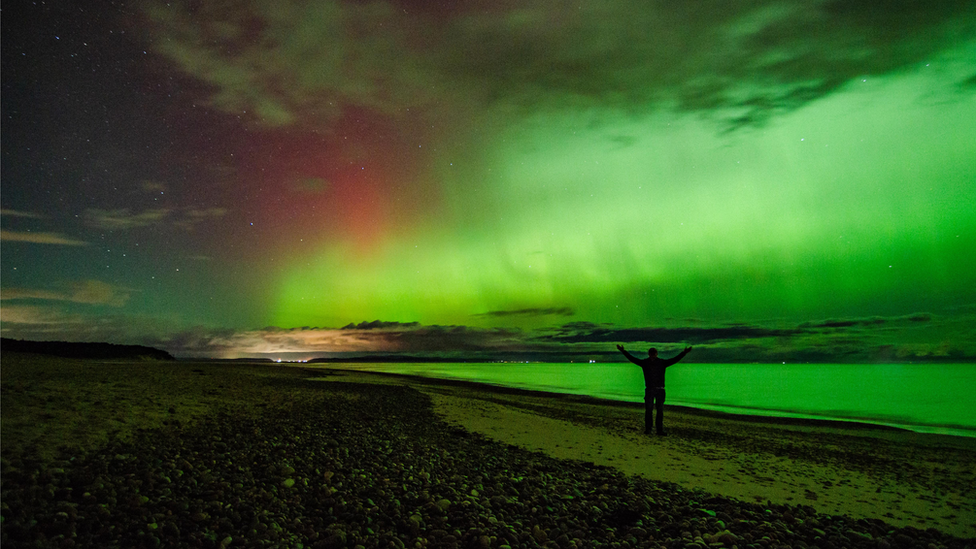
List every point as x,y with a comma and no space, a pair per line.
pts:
463,340
292,62
845,323
96,292
88,292
968,84
379,337
306,60
39,238
16,213
919,336
122,219
586,332
48,322
380,325
154,187
917,318
191,217
24,293
537,311
869,342
32,315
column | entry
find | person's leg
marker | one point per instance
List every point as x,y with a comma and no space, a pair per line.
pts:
659,401
648,412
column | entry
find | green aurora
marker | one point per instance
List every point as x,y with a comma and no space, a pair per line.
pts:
833,210
766,181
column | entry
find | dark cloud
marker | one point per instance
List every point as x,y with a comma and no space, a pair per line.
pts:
846,323
291,62
865,341
380,325
199,341
584,332
355,339
461,339
918,317
538,311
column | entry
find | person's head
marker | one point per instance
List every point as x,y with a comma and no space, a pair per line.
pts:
652,352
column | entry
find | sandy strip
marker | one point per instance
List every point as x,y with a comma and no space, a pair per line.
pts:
903,478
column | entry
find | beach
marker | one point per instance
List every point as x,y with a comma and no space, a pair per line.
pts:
154,454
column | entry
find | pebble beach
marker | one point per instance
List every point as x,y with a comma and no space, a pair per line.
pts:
153,454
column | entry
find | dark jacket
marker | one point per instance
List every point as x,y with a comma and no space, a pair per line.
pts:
654,367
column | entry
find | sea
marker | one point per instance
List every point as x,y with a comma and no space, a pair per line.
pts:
925,398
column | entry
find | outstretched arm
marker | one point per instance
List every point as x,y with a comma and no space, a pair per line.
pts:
629,356
681,355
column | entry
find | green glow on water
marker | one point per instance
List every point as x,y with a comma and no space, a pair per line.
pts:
922,397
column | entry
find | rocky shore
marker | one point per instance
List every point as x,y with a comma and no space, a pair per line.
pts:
348,465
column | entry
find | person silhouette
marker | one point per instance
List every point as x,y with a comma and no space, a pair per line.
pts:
653,368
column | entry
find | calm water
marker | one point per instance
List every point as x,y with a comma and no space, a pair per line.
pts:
931,398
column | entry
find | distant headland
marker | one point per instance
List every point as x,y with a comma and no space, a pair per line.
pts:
66,349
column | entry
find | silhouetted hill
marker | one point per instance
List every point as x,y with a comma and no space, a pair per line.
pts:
83,350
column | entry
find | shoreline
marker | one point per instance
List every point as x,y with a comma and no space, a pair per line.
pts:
813,422
196,453
860,470
881,419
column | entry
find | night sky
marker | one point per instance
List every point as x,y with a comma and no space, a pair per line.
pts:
765,180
